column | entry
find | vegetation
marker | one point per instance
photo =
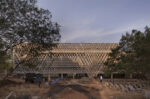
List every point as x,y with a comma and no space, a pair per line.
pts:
132,55
4,58
22,21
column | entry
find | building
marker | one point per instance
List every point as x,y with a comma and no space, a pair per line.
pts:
67,59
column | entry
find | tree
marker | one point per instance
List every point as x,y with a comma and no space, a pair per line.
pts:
4,58
22,21
132,54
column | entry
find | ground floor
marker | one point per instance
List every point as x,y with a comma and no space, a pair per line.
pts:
75,89
88,75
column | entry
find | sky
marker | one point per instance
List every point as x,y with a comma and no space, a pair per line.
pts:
97,21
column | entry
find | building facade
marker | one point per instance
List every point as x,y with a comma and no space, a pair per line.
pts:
68,58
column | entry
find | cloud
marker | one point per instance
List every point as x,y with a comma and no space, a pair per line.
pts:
98,20
79,33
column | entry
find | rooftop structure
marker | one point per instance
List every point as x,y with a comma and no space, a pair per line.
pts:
69,58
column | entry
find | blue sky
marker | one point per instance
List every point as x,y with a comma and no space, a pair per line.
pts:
85,21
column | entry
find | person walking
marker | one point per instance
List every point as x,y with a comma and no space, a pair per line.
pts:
39,81
46,83
101,78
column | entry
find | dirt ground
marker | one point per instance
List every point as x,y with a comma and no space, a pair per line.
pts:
65,89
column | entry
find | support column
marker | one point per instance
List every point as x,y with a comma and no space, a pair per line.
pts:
112,78
111,75
49,77
130,76
62,76
74,76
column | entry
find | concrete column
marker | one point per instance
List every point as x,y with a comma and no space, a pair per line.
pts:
61,75
112,78
49,77
111,75
130,76
74,76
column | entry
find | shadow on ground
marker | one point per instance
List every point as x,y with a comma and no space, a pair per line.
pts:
90,92
7,82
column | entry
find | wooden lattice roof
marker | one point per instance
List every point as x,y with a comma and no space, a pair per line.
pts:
72,58
100,46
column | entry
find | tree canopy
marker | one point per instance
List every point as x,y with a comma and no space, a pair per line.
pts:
23,21
132,55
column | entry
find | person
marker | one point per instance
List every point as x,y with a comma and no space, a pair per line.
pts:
46,83
101,78
39,81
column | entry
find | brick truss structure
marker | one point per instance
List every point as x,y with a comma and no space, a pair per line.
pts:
69,58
